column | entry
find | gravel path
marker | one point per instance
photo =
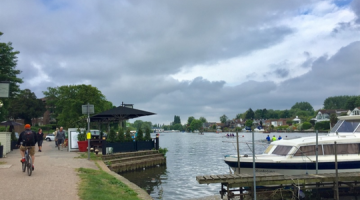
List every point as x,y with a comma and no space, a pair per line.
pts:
54,176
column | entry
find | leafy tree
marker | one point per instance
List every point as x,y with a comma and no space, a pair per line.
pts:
8,73
138,124
128,136
264,114
26,106
203,119
190,119
258,114
66,102
336,102
289,122
239,116
306,125
285,114
214,126
195,125
178,127
111,137
140,135
223,119
121,136
177,120
249,114
333,119
238,129
249,123
147,134
352,103
305,106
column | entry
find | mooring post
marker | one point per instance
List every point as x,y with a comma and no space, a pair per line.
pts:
238,153
316,151
254,173
157,141
336,189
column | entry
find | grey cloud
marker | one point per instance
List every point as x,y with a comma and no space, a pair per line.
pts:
282,73
355,5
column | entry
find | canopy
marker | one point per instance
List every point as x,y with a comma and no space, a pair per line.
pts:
118,114
10,123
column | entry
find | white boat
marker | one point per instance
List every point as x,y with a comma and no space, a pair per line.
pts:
298,156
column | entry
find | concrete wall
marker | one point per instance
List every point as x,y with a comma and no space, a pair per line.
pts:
5,139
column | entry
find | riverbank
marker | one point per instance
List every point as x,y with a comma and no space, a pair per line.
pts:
60,175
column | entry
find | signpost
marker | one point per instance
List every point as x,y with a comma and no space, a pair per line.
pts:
88,109
4,89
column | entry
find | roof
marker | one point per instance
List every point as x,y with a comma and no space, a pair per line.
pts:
118,114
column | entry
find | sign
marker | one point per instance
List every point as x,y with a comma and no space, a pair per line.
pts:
88,136
4,90
84,109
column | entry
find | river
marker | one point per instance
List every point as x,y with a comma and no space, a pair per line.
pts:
190,155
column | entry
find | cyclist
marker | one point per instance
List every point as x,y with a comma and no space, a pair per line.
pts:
28,139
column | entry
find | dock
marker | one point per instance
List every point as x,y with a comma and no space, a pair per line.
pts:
129,161
268,184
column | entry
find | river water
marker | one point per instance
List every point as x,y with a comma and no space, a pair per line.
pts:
190,155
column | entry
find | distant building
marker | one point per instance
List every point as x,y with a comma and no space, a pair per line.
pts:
324,115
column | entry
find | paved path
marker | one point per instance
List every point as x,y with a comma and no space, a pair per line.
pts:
54,176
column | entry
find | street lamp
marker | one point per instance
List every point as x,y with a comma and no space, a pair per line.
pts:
1,104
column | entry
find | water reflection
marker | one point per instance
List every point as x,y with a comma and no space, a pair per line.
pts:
150,179
191,155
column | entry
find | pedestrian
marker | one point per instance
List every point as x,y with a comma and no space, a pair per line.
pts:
55,133
279,138
40,138
60,136
274,138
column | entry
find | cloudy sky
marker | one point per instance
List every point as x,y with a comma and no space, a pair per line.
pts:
189,58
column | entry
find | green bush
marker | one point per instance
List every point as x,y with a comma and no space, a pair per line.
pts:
306,125
2,129
13,137
128,135
121,136
111,136
325,125
140,135
147,134
81,136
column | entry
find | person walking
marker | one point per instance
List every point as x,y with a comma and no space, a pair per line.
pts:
40,138
55,133
27,139
274,138
60,136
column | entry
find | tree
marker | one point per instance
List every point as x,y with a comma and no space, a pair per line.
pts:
223,119
26,106
65,102
249,123
336,102
190,119
258,114
333,119
239,116
121,136
128,136
214,126
140,135
138,124
203,119
249,114
352,102
285,114
177,120
306,125
147,134
196,125
8,73
305,106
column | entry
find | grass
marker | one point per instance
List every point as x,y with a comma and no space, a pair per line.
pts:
93,156
2,163
97,184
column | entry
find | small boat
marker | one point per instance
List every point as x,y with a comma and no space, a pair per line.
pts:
298,156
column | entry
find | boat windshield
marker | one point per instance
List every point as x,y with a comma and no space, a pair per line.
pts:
282,150
348,126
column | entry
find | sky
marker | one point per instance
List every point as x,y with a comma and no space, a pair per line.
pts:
201,58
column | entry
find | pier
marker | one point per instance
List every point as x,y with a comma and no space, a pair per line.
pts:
275,185
122,162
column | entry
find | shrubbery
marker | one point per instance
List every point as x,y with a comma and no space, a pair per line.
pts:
306,125
325,125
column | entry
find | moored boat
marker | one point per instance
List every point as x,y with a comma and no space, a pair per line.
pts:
298,156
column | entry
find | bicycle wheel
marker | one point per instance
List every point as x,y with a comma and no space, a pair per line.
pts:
29,167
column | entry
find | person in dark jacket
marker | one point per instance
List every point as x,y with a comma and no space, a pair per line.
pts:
40,138
27,139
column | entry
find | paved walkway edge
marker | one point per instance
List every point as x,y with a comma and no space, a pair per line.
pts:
142,194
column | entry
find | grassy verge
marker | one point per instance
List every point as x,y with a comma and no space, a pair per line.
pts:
93,156
97,184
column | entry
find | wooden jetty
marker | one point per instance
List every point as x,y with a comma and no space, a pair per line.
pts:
128,161
268,182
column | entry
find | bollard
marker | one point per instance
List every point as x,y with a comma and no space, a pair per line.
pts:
157,141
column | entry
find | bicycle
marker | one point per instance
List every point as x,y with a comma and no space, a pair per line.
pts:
28,162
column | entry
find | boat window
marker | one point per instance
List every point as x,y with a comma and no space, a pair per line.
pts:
334,129
358,129
268,149
309,151
282,150
341,149
348,126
